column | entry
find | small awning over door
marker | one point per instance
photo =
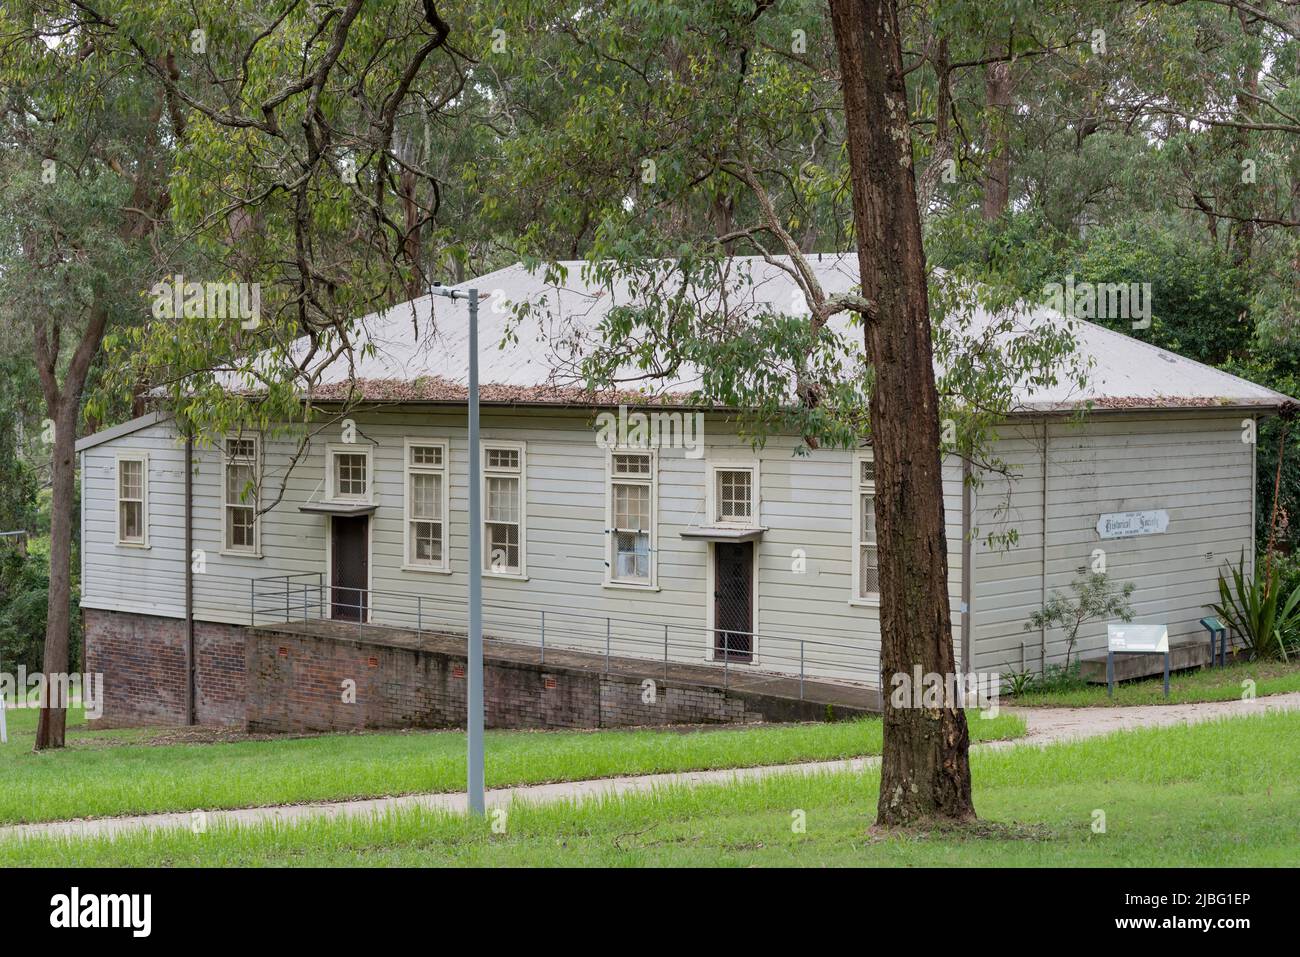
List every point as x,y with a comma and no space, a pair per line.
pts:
722,533
338,508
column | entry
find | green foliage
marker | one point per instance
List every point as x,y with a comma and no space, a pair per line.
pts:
1259,609
1199,298
1058,678
1276,363
18,478
1288,571
1094,598
1017,682
24,599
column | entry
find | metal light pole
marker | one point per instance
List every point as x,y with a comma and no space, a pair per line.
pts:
474,696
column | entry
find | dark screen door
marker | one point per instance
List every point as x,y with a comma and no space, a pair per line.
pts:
349,548
733,601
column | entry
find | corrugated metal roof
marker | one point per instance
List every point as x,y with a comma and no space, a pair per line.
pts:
420,348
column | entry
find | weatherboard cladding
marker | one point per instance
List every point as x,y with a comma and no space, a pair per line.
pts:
806,502
1194,466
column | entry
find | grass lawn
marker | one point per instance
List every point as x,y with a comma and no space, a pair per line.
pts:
1205,684
108,773
1223,793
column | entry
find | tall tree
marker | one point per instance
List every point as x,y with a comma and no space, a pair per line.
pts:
83,193
925,772
662,121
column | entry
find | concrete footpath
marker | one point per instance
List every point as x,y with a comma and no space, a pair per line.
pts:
1045,726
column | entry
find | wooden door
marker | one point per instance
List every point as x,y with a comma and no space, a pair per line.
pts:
349,567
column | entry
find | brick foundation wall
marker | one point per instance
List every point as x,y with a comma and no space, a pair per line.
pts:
142,658
221,682
281,682
298,683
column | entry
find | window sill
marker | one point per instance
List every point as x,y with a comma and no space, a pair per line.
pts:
508,576
631,586
141,546
227,553
865,602
426,569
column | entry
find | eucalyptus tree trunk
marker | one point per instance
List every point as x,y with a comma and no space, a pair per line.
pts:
925,772
997,140
63,405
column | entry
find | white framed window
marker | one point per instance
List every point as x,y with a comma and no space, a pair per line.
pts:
504,514
427,544
866,565
241,529
733,494
631,517
132,493
349,475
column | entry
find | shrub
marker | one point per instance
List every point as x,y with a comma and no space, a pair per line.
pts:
1095,597
1260,609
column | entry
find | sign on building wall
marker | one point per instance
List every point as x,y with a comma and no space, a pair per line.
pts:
1129,524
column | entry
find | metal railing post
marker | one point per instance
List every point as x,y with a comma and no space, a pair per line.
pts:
606,646
665,652
543,637
800,669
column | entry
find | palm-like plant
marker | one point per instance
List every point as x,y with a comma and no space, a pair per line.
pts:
1255,606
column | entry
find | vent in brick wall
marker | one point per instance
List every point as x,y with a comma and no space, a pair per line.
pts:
550,683
458,671
284,652
373,662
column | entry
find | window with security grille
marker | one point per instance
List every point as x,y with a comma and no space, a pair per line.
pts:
131,521
631,490
241,495
503,489
868,583
426,489
734,495
351,475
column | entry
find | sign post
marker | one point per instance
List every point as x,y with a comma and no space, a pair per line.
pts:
1135,639
4,717
1219,633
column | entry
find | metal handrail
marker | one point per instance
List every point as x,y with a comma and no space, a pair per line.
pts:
307,597
531,609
